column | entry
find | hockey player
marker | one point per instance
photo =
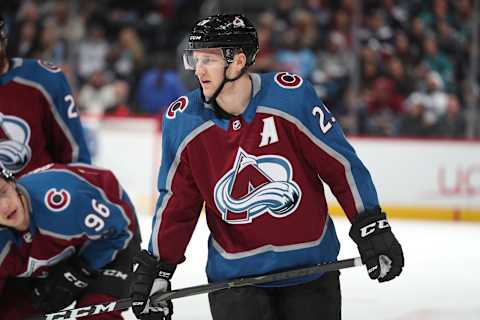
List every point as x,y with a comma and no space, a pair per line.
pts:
69,233
255,148
39,122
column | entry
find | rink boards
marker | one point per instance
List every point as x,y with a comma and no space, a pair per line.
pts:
424,179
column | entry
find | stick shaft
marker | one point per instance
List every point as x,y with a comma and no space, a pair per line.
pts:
126,303
272,277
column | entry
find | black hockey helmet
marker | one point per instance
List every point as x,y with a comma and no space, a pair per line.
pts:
228,32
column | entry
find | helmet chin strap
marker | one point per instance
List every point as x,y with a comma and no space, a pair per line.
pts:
213,99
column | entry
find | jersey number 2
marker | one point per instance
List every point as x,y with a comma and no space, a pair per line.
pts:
325,125
72,113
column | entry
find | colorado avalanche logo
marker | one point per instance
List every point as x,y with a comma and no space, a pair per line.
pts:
288,80
238,23
57,200
254,186
178,105
49,66
15,153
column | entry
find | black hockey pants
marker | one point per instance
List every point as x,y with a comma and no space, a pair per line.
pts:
316,300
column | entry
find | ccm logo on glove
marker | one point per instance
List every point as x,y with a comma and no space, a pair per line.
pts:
77,283
370,228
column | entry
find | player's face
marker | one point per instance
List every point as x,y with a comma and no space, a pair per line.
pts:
12,211
209,69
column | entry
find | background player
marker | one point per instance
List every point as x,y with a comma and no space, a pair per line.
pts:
256,148
70,232
39,122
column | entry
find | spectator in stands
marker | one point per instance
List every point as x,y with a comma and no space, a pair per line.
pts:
384,105
435,98
24,39
464,14
51,47
292,57
331,75
412,121
127,54
265,61
408,54
438,11
453,123
304,24
159,86
342,23
396,14
101,95
321,12
377,33
396,72
92,52
416,33
436,60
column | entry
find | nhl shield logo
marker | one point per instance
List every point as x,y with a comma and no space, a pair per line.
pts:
255,186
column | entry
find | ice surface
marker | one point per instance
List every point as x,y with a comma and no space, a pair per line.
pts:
440,280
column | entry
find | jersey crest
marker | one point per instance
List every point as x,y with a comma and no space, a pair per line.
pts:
255,186
178,105
288,80
15,153
49,66
57,200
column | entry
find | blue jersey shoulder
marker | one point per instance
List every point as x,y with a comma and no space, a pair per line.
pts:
184,116
43,75
61,203
287,92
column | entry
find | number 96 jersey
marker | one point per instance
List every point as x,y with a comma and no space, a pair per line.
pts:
74,209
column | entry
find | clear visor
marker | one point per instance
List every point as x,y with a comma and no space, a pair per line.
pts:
195,58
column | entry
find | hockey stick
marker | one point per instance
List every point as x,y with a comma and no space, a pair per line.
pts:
126,303
250,281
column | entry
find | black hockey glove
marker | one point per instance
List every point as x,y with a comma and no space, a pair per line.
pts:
62,286
378,247
151,276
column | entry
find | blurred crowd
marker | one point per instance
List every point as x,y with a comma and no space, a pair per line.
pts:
383,67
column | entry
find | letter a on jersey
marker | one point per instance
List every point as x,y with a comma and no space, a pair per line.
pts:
269,133
254,186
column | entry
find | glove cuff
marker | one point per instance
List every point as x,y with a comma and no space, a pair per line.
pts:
369,223
151,265
166,270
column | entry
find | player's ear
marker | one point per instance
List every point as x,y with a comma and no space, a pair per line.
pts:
240,60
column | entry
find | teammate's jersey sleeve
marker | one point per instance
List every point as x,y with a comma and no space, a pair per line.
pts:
9,256
68,207
326,149
69,113
66,138
180,202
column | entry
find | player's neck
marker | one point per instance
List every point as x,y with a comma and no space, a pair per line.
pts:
236,95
